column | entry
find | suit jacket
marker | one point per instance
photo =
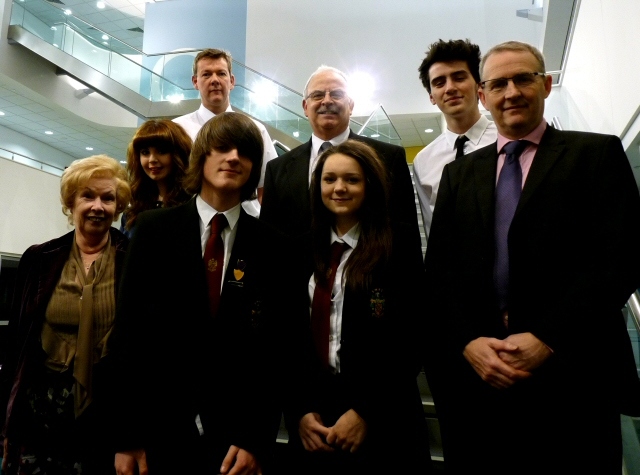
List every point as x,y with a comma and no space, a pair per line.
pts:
572,268
379,361
38,274
173,355
286,203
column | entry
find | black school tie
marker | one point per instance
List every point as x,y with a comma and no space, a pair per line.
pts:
460,141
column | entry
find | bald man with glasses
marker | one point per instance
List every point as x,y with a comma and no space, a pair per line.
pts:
535,240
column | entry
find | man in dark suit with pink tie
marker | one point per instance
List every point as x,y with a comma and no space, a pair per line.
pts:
532,255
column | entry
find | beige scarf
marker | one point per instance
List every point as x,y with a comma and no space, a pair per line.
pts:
79,319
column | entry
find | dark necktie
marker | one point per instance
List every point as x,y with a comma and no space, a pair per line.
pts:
508,192
214,260
323,147
460,141
321,305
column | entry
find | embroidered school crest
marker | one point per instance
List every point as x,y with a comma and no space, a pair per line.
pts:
377,303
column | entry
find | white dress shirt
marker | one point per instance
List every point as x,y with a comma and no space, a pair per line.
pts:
431,160
337,295
316,142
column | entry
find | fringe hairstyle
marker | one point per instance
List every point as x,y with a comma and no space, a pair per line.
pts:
166,136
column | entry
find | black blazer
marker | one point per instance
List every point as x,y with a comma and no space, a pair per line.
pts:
379,359
174,357
286,203
573,264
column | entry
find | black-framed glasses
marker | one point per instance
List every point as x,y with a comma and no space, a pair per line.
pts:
519,80
336,95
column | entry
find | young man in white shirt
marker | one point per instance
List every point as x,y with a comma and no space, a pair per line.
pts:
450,73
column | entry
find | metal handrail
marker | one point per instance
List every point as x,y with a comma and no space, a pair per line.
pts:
634,306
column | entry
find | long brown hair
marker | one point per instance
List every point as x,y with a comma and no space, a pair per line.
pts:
169,137
374,244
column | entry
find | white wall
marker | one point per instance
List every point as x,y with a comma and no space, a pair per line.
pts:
600,92
288,39
30,209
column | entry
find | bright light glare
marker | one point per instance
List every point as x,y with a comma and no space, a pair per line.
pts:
88,148
48,132
428,130
100,4
67,12
361,87
265,93
175,98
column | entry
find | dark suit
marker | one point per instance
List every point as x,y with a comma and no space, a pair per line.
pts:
572,268
286,203
379,363
178,362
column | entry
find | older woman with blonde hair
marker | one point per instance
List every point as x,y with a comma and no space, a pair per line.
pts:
61,317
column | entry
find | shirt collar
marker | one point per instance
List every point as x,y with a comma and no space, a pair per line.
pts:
206,114
474,134
207,212
350,238
534,136
337,140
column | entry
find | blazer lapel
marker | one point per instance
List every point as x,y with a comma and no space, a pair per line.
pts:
549,151
297,170
240,254
484,172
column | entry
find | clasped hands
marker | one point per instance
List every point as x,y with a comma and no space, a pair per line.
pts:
502,363
237,462
347,433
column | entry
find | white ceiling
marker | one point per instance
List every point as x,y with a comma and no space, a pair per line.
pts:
32,114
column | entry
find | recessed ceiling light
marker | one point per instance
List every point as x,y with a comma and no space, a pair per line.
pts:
375,136
123,161
67,12
105,42
100,4
1,113
48,132
428,130
54,28
88,148
296,134
56,45
105,37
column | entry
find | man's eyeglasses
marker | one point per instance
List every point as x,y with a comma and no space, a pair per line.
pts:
336,95
519,80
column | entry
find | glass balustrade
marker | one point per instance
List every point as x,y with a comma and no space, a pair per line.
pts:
162,77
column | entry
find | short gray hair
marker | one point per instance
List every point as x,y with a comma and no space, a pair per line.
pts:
517,46
323,69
